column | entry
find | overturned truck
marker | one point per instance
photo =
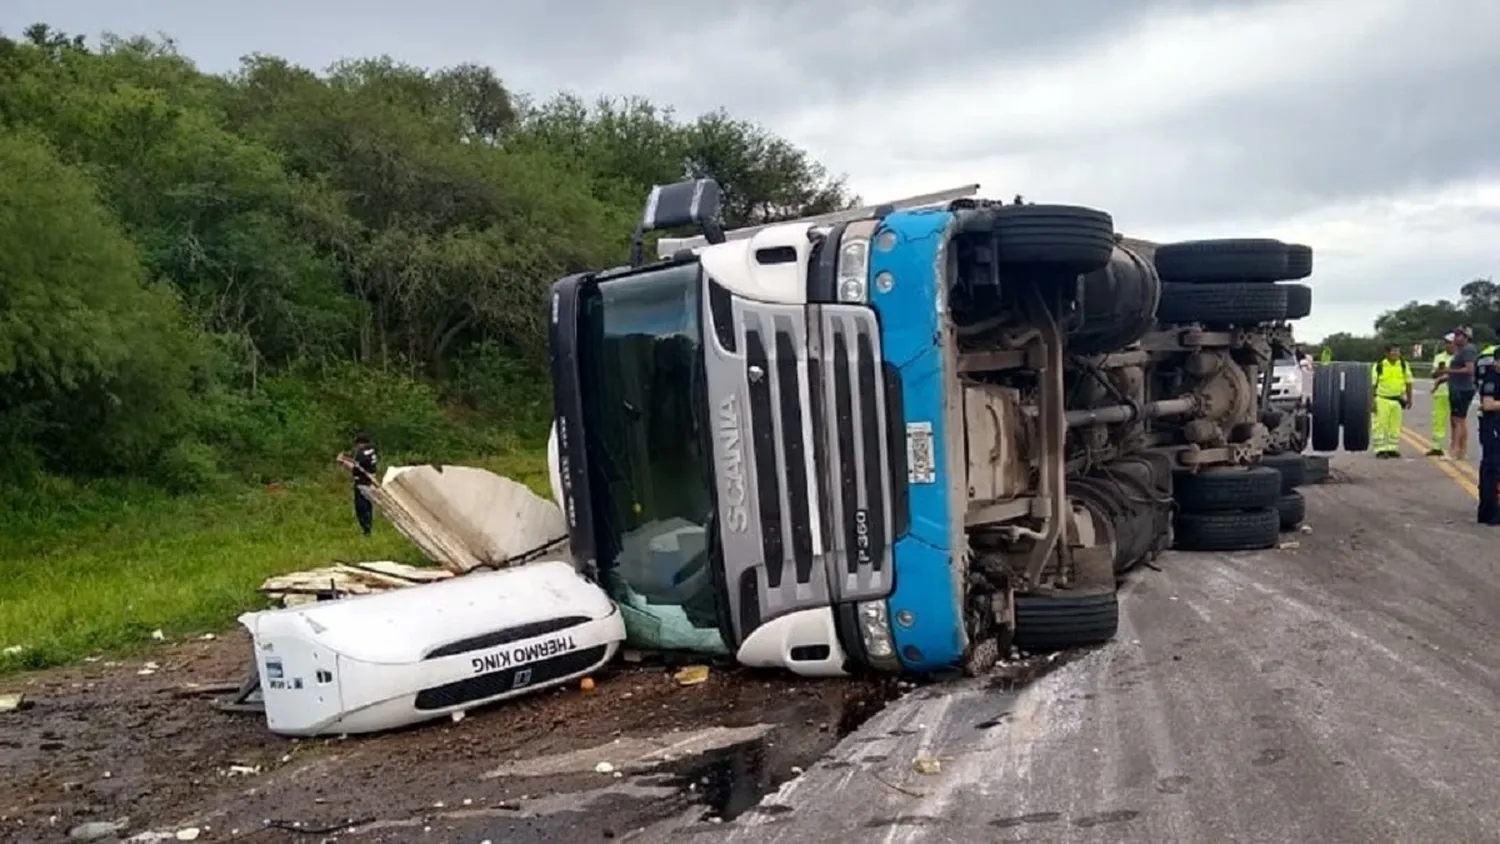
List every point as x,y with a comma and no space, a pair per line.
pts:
903,438
909,437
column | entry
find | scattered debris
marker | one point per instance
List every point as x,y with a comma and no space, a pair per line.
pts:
97,830
604,768
158,635
14,650
691,675
1289,545
13,702
586,684
305,587
927,765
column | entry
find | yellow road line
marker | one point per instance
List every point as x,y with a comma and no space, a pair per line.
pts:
1465,482
1424,444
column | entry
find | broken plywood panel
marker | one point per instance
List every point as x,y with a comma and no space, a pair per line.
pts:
464,517
343,579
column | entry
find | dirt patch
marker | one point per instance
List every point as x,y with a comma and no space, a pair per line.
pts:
104,741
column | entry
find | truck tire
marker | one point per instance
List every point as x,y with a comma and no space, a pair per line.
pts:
1354,406
1292,467
1220,489
1058,619
1230,303
1292,508
1246,530
1214,261
1316,470
1067,239
1325,408
1298,300
1298,261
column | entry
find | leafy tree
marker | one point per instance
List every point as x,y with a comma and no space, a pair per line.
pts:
203,272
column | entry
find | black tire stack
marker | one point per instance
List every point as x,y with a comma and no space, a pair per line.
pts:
1228,508
1341,407
1233,282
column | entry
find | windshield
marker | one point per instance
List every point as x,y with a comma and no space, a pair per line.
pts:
640,356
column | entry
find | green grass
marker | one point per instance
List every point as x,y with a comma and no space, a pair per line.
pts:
100,574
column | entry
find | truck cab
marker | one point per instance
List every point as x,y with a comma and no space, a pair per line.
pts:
902,437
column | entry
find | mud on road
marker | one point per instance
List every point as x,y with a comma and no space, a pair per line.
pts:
109,741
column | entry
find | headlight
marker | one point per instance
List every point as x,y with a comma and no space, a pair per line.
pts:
854,269
875,630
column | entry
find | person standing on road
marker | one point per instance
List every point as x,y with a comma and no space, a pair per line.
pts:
1392,396
363,467
1441,415
1461,391
1489,440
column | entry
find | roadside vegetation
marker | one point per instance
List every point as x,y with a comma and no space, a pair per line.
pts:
1425,323
209,283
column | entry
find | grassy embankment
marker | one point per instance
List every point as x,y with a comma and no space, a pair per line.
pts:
118,561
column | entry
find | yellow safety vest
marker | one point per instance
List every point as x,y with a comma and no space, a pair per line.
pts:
1440,360
1391,381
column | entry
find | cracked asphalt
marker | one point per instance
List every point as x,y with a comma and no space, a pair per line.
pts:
1341,689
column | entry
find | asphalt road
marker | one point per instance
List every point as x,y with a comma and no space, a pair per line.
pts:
1418,425
1343,689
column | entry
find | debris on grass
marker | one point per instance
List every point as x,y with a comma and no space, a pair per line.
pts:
305,587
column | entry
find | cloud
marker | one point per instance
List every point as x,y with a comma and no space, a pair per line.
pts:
1367,128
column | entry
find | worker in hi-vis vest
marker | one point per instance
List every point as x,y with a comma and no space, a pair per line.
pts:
1389,400
1441,419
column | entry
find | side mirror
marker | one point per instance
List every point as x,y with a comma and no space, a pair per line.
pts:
691,203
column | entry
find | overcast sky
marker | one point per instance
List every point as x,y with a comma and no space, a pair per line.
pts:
1369,129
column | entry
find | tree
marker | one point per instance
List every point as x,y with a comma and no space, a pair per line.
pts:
234,270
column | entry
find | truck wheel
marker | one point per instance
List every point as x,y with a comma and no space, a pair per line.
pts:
1230,303
1292,508
1291,466
1058,619
1325,408
1227,488
1213,261
1061,238
1298,300
1316,469
1354,406
1247,530
1298,261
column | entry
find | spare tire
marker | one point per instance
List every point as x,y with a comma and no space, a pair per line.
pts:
1354,406
1246,530
1064,239
1213,261
1231,303
1325,408
1298,300
1222,488
1298,261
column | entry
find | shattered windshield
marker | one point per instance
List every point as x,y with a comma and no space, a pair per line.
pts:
640,358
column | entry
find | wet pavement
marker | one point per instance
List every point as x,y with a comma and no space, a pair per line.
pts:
1342,689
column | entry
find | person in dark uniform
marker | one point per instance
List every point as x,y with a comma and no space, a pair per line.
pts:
363,466
1488,377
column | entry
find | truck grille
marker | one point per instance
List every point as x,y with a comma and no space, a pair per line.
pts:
838,444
